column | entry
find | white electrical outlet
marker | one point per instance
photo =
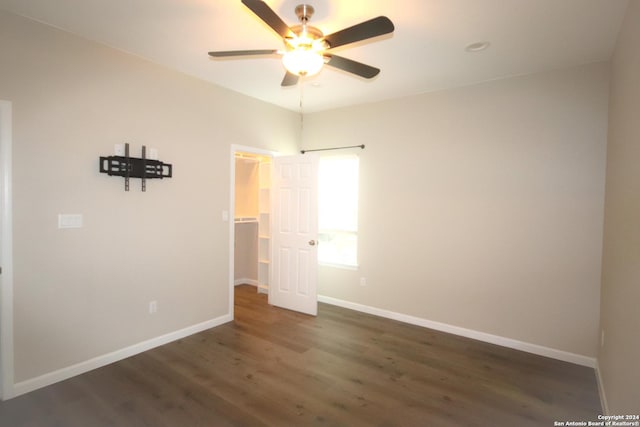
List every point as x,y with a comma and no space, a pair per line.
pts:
153,307
363,281
69,220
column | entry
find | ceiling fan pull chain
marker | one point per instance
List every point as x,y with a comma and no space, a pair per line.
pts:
301,84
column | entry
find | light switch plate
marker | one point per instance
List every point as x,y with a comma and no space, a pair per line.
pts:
70,221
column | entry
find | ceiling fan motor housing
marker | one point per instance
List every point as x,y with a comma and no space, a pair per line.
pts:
306,35
312,34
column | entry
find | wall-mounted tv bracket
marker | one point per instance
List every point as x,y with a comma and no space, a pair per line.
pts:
133,167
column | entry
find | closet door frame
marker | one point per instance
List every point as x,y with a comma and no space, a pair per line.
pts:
229,215
6,254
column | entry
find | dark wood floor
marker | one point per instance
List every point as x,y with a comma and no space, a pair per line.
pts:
273,367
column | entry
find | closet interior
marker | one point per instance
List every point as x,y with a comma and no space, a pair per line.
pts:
252,221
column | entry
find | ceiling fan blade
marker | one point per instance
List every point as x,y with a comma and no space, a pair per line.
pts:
351,66
264,12
290,79
227,53
365,30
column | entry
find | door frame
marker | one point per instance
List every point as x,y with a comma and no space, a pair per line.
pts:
235,148
6,254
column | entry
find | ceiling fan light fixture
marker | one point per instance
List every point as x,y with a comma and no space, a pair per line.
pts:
303,62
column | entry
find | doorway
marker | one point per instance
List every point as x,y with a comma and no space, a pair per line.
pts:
278,231
250,250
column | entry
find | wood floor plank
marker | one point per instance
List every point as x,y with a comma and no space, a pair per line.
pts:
274,367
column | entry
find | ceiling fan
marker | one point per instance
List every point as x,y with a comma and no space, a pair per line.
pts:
306,47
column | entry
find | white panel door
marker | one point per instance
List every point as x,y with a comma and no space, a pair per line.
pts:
294,251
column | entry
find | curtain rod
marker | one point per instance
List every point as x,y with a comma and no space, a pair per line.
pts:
335,148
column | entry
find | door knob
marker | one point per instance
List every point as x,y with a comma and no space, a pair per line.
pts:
312,242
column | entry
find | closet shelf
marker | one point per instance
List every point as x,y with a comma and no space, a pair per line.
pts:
245,220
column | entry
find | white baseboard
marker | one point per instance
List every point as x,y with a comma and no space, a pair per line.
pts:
251,282
603,396
469,333
106,359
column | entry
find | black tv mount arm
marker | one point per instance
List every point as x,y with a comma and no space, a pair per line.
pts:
133,167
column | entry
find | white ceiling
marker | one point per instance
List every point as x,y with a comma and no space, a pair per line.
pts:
425,53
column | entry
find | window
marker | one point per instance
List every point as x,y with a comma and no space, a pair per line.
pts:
338,210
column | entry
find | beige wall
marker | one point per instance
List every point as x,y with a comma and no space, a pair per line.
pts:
85,292
619,358
246,206
482,207
246,253
246,194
